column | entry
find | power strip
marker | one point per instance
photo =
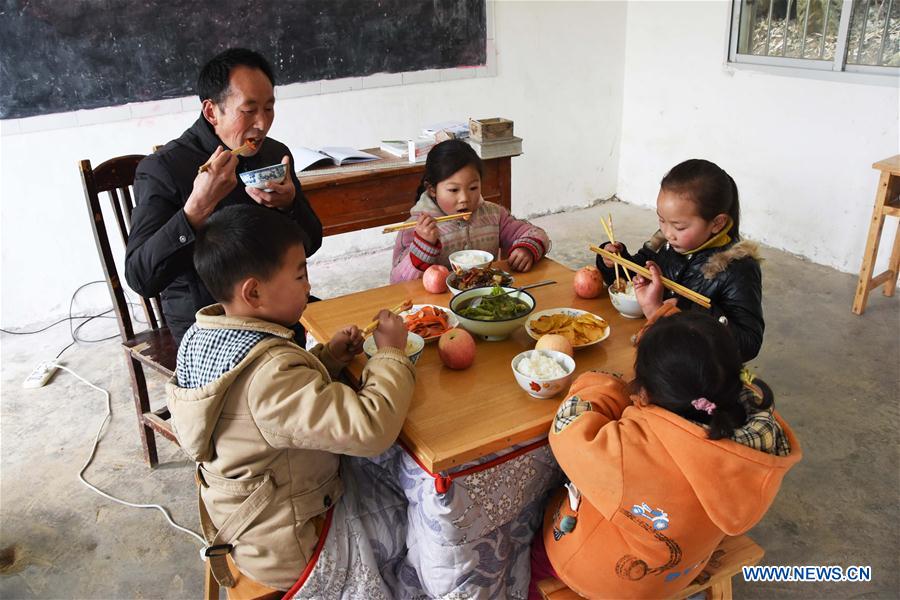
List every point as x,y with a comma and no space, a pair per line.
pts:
41,375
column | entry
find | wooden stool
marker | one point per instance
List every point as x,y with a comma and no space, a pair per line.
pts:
244,587
715,579
887,202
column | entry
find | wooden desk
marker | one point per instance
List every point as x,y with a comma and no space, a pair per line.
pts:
458,416
358,199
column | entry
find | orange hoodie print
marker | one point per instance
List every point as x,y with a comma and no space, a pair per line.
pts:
656,495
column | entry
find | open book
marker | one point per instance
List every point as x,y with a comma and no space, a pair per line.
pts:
305,158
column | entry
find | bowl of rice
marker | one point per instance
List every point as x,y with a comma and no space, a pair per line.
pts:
543,373
463,260
414,346
625,301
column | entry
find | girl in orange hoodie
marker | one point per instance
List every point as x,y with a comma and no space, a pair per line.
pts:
660,477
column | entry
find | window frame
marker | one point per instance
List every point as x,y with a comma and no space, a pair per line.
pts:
837,65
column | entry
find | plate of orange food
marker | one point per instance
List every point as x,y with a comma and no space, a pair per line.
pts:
429,320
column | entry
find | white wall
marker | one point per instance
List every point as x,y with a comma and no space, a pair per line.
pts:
559,76
800,149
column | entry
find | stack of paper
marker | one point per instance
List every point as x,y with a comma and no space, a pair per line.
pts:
457,129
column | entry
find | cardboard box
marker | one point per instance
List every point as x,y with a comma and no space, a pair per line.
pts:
486,130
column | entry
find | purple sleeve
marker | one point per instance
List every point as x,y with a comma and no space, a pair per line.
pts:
412,255
515,233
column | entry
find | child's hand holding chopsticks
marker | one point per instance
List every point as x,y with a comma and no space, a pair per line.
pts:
427,229
649,292
346,343
615,248
391,331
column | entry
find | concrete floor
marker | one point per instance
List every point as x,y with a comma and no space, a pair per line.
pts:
835,376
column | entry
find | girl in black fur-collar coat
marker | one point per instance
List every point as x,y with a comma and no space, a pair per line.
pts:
699,246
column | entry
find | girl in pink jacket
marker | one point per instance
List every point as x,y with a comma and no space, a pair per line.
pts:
452,183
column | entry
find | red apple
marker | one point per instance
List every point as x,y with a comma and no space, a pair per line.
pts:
457,348
588,282
435,279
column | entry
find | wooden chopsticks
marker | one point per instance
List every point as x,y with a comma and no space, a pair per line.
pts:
248,145
371,327
412,224
675,287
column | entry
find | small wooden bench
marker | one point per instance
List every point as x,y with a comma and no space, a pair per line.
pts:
887,203
715,579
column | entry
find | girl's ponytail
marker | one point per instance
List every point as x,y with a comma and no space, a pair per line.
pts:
735,209
420,190
729,413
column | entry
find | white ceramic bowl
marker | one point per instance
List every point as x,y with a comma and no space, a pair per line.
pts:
259,177
626,304
452,279
414,346
463,260
544,388
491,330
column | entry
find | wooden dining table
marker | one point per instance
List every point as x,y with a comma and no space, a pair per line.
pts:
458,416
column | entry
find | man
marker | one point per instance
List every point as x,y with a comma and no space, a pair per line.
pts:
237,92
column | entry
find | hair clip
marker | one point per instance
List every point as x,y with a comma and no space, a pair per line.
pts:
703,405
747,380
746,376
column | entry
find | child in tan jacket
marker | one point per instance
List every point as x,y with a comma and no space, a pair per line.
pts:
264,419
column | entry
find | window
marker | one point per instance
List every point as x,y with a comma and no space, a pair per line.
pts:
831,35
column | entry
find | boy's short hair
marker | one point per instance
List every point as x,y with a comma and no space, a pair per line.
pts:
214,80
240,242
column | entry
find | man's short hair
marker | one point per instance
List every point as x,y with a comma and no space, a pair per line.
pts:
240,242
213,82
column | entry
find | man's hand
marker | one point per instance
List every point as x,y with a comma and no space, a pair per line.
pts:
649,293
427,228
520,259
210,187
276,195
346,344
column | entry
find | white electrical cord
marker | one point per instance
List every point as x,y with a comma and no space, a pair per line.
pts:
94,451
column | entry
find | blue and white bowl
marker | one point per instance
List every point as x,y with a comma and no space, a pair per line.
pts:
260,177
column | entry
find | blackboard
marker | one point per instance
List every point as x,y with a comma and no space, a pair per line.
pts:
62,55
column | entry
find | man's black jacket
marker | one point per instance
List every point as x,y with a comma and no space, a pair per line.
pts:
159,254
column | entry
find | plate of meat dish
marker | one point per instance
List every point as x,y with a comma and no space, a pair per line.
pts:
478,277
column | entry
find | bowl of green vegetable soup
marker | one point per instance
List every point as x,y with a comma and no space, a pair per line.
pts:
490,314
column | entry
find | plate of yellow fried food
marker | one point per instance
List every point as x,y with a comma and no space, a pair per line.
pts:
580,327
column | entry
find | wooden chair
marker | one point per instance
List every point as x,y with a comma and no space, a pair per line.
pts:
715,579
887,203
154,347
